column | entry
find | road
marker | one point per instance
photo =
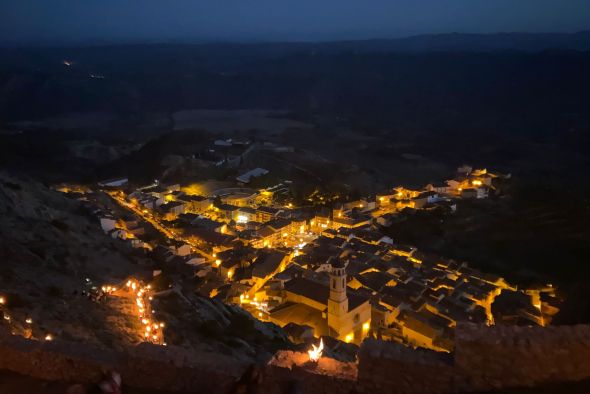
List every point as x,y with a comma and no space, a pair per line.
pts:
148,217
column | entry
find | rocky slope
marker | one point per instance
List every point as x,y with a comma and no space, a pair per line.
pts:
50,246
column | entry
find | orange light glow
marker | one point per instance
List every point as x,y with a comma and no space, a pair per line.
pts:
316,352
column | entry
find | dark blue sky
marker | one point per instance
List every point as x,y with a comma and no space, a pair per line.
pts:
62,21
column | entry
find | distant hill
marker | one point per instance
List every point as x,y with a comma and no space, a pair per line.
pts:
452,86
529,42
453,42
501,87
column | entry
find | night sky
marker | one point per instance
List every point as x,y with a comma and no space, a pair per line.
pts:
79,21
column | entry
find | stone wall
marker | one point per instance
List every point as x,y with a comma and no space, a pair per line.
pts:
384,366
508,356
146,366
290,371
485,358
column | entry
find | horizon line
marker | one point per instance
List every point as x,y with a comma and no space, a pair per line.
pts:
99,42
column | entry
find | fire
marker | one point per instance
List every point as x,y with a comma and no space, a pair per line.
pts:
316,351
152,330
108,289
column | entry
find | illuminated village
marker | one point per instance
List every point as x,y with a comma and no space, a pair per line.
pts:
316,272
285,198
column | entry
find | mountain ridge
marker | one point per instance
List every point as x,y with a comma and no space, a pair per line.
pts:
432,42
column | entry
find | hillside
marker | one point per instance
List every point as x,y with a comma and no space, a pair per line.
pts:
448,84
50,249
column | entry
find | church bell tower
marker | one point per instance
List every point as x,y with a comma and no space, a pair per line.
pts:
338,301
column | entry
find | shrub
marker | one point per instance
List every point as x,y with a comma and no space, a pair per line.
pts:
58,224
54,291
13,186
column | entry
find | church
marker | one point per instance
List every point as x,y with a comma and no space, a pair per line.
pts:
332,310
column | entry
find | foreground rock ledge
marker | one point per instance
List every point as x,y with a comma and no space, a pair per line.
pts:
485,358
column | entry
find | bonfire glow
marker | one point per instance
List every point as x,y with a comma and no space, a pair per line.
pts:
316,351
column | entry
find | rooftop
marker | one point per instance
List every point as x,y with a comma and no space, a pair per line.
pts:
267,263
247,177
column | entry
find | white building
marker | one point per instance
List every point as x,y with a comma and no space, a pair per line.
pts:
247,177
107,223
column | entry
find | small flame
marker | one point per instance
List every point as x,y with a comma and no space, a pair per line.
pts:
316,352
